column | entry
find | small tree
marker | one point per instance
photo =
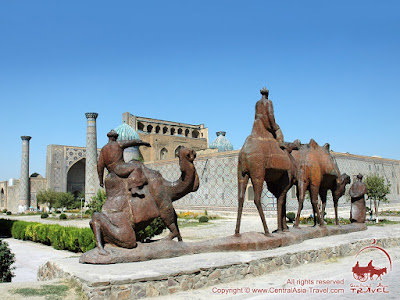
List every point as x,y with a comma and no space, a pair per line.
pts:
7,258
48,197
65,200
377,190
96,203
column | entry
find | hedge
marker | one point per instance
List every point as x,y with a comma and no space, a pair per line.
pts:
65,238
60,237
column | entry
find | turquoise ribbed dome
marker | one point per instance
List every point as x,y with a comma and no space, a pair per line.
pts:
221,143
126,132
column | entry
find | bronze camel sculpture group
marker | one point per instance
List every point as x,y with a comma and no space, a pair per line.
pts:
266,157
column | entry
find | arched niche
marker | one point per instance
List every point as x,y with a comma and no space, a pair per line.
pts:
76,177
163,153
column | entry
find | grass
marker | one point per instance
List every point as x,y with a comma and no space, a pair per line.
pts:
54,292
393,213
382,222
48,291
188,215
343,221
328,221
190,223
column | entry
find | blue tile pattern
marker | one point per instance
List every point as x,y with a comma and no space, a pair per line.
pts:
126,132
221,142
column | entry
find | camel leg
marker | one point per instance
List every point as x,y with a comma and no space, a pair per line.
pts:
322,194
170,220
314,201
282,203
301,194
335,205
257,185
242,184
120,234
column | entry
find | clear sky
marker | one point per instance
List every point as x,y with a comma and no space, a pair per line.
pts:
332,68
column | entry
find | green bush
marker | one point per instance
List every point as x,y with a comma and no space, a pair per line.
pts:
96,202
5,227
4,211
44,215
63,217
156,227
7,258
203,219
291,216
58,212
8,213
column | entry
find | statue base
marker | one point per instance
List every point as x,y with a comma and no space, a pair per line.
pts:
249,241
188,272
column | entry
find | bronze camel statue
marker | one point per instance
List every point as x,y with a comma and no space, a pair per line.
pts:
134,202
261,159
317,172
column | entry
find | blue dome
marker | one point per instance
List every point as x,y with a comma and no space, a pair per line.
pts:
221,143
126,132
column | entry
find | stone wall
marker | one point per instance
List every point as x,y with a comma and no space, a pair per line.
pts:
207,276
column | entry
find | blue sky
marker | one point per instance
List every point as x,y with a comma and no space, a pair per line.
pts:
332,68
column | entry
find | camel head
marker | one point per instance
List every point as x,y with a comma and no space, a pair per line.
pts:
344,179
186,154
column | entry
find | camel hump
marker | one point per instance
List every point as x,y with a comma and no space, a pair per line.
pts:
313,144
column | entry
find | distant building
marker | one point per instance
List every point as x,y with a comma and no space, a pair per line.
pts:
216,165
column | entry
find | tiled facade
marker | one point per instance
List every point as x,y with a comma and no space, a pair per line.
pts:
218,181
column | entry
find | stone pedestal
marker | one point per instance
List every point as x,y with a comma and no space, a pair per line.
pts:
25,192
91,180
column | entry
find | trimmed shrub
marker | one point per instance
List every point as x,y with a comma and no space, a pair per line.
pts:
86,239
5,227
44,215
63,217
291,216
203,219
4,211
63,238
58,212
8,213
66,238
7,258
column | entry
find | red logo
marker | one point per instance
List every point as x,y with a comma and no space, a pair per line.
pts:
363,273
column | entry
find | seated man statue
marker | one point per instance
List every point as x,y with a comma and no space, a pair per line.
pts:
357,193
112,157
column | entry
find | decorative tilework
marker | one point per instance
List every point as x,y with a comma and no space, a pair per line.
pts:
24,180
91,181
221,142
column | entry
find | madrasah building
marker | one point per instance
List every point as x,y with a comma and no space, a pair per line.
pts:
73,169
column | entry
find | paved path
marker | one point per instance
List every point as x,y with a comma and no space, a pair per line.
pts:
29,256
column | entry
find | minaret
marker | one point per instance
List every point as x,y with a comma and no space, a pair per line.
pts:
24,184
91,180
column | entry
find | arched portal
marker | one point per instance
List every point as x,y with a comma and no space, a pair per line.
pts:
250,193
76,178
